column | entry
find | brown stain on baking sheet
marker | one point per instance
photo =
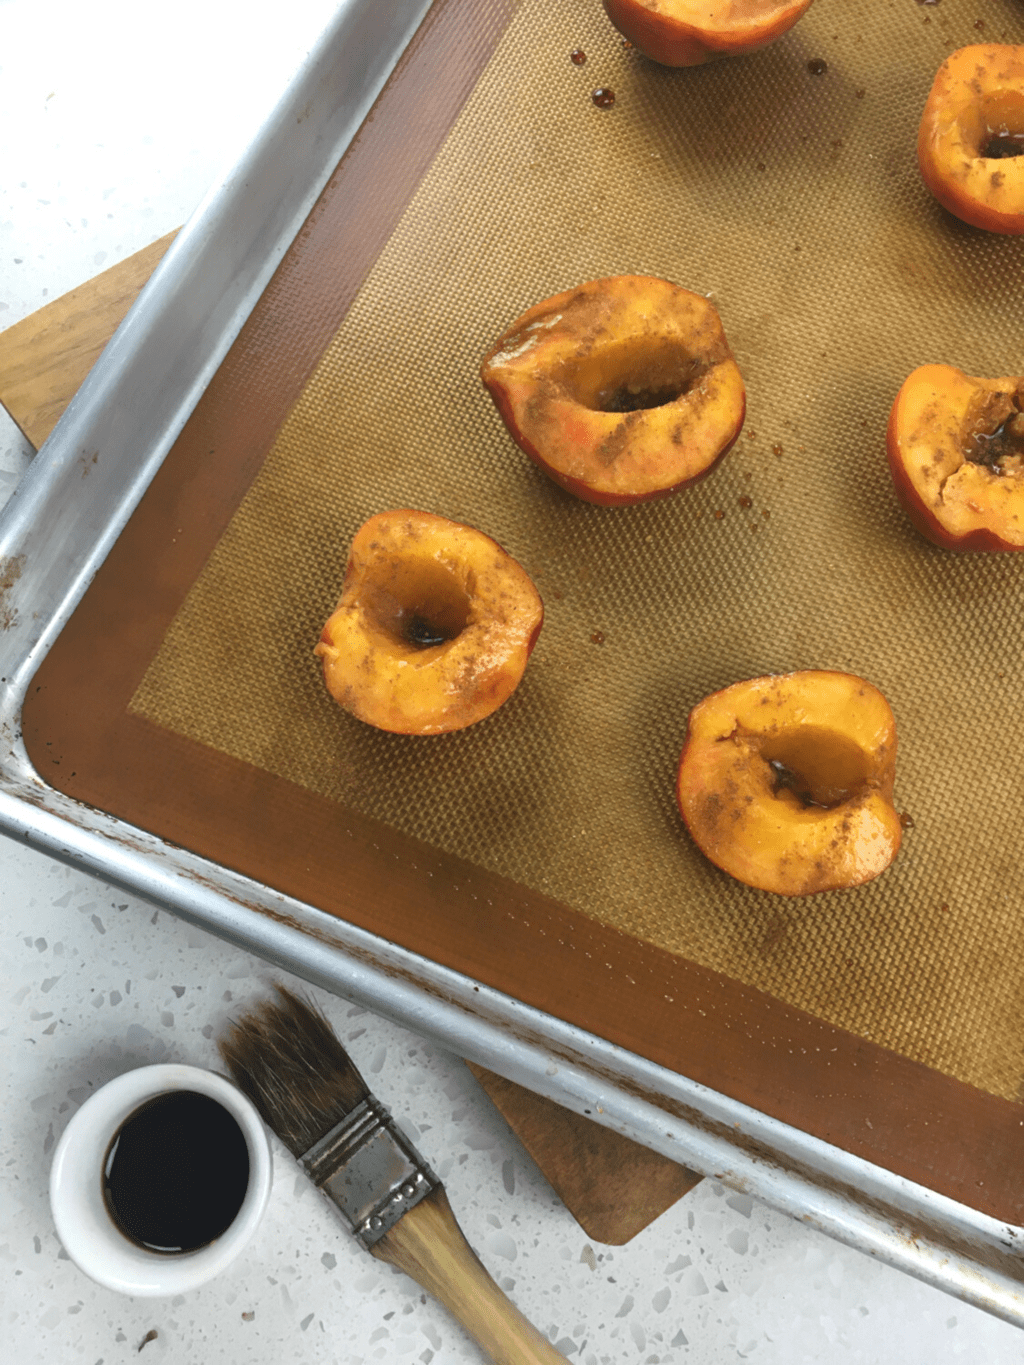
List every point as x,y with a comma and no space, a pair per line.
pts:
11,567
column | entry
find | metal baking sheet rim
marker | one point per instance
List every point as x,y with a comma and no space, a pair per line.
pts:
58,528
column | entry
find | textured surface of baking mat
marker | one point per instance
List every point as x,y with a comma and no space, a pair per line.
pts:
793,201
539,852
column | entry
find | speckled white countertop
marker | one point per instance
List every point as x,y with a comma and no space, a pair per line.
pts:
114,118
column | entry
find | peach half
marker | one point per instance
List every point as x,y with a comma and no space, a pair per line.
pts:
688,32
434,626
970,146
621,390
785,782
956,453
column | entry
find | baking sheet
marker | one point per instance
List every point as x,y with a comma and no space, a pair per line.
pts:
835,275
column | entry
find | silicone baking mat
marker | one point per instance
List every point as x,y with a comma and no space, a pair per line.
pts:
782,185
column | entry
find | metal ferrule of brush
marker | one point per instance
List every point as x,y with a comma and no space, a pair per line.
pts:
370,1169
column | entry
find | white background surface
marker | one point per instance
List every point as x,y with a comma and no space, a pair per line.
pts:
114,119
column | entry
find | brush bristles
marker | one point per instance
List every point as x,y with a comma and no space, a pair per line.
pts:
286,1057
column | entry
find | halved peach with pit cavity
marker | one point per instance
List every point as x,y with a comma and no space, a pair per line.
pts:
785,782
970,145
434,627
622,389
956,453
687,32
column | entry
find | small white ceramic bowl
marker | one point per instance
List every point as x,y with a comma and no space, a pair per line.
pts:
84,1226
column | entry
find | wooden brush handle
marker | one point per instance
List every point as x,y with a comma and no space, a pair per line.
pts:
428,1244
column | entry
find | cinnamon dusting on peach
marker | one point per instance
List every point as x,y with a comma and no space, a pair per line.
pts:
434,626
785,782
970,144
622,389
955,446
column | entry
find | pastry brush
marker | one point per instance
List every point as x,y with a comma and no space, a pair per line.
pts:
286,1057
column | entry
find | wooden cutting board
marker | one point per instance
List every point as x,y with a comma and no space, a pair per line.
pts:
45,357
613,1187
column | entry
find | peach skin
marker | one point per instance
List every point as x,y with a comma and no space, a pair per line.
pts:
688,32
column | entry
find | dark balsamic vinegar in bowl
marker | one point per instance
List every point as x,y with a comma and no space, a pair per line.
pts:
176,1172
